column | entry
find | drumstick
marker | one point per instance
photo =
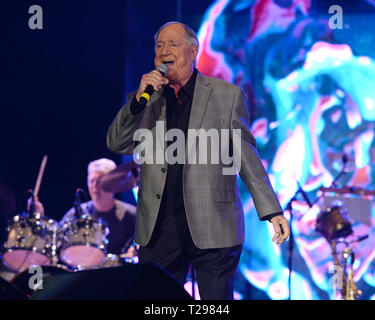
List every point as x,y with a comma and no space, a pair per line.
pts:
40,175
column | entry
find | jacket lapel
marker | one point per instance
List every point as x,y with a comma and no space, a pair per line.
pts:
202,93
159,105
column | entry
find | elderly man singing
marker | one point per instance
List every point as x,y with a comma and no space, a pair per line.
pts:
190,212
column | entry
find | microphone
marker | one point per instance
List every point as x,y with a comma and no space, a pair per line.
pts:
343,171
304,195
359,239
30,204
146,95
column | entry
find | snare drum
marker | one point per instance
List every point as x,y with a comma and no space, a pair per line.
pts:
31,240
84,242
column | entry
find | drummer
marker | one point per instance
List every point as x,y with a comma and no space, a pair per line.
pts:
120,216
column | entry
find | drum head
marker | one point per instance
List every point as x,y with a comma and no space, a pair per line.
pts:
20,260
82,257
31,240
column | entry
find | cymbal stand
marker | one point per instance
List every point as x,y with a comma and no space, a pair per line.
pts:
291,243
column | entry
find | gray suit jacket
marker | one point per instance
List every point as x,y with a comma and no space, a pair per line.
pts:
212,200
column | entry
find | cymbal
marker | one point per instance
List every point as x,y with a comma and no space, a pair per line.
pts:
7,200
124,178
350,190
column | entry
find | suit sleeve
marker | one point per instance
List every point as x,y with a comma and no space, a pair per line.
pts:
121,131
248,162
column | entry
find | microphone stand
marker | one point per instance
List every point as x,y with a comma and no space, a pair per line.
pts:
334,182
32,205
30,209
193,281
289,207
342,171
291,243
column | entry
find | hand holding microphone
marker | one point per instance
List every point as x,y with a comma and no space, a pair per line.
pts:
151,82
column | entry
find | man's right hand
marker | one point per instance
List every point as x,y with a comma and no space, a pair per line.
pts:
39,208
153,78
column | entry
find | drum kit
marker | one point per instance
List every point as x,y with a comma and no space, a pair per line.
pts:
80,243
333,222
77,244
335,225
337,212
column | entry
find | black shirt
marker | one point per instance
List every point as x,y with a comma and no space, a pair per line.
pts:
121,232
178,114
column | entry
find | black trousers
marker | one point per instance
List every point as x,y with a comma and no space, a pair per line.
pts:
172,248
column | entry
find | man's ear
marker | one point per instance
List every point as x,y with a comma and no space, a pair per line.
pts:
194,52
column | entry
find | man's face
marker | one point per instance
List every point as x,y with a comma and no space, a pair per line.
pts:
173,49
93,184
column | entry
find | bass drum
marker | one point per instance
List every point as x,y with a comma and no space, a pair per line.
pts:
31,240
84,242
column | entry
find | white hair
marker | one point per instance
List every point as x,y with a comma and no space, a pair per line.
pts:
104,165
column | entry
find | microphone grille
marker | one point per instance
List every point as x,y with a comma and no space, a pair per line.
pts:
163,69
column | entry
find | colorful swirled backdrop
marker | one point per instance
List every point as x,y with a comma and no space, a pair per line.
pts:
310,84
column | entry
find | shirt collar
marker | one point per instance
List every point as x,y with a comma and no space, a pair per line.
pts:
188,88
